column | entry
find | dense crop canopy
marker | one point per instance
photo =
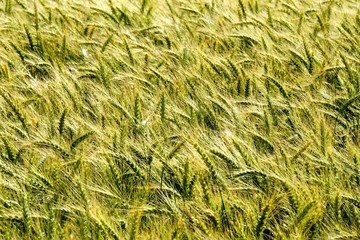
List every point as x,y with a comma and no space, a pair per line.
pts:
177,119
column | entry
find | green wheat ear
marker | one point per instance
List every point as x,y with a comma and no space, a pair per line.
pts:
62,122
134,230
267,123
272,110
185,180
229,162
191,187
16,111
8,6
205,189
63,47
56,148
27,223
106,43
80,139
137,170
163,108
262,144
323,136
137,110
28,35
261,223
242,8
210,165
18,51
10,151
247,88
131,58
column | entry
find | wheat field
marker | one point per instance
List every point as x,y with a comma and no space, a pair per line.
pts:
175,119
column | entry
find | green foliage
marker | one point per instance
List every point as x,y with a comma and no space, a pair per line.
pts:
179,119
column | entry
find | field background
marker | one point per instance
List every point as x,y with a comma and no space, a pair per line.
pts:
179,119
